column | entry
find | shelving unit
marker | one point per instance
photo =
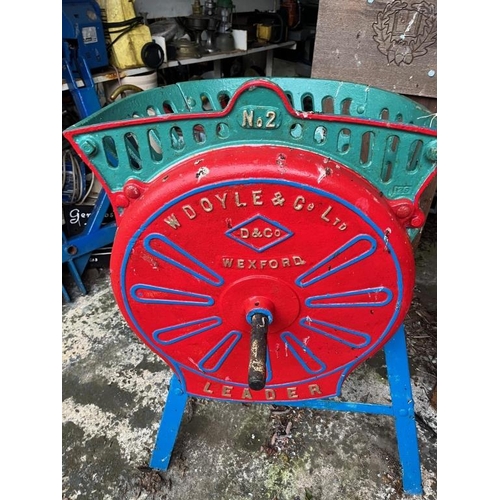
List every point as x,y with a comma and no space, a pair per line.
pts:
217,57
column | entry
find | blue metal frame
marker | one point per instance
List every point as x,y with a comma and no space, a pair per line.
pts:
401,409
76,251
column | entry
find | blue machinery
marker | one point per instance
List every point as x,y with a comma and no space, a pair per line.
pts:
84,49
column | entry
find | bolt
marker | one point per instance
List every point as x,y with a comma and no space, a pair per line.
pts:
190,102
431,73
89,147
178,392
431,151
361,110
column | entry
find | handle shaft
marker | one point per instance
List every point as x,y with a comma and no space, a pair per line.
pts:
258,352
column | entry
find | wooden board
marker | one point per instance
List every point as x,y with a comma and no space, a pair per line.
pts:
386,44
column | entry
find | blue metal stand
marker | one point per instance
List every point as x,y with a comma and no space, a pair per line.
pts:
76,251
169,425
401,409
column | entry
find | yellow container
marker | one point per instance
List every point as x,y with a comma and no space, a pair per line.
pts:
127,38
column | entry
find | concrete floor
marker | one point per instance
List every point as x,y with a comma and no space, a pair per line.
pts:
114,389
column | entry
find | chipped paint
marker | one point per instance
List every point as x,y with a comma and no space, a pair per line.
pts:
202,172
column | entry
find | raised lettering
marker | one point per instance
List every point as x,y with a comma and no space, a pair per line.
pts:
172,221
278,199
226,391
270,394
294,260
256,196
207,388
246,393
314,389
298,204
222,200
292,392
237,200
206,204
325,213
272,116
189,211
298,261
247,118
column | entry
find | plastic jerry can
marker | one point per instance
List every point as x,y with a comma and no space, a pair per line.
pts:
127,33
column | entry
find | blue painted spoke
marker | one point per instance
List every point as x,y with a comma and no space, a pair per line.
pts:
269,370
183,331
368,297
219,353
196,268
310,362
315,274
346,336
149,294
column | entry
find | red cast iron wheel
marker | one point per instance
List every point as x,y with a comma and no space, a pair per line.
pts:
267,229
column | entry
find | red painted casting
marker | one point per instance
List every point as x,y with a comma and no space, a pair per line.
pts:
271,229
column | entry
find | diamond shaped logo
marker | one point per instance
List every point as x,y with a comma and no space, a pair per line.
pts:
259,233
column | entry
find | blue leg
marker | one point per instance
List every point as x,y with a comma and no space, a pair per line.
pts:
169,425
402,404
65,295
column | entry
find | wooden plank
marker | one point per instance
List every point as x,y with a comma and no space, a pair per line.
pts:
387,44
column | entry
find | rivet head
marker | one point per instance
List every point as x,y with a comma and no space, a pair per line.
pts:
190,102
89,147
122,201
132,192
404,211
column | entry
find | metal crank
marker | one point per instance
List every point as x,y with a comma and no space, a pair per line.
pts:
264,250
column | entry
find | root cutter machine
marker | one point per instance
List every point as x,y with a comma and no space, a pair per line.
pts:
264,241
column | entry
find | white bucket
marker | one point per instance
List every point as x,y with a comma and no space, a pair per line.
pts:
144,81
